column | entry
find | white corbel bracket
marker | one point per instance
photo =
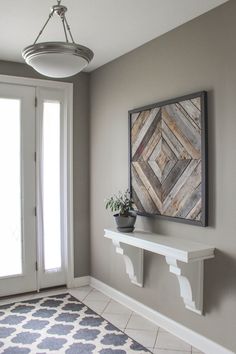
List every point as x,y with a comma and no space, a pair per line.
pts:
133,258
190,282
185,259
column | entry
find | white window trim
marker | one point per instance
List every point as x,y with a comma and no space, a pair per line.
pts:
68,172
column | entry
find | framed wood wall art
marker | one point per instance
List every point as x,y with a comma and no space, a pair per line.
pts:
168,159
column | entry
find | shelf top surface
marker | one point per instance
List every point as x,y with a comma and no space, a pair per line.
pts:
181,249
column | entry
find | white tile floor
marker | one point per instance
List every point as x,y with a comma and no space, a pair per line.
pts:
156,339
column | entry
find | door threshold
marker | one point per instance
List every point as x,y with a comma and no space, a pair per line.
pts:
58,287
33,294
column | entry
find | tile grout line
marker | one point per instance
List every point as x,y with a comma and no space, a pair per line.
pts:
88,294
156,337
109,301
92,289
128,320
148,330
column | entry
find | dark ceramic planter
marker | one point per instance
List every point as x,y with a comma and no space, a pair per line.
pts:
125,223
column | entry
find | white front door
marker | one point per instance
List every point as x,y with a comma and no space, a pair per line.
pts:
33,201
17,190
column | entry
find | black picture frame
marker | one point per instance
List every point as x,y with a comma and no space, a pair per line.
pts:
204,156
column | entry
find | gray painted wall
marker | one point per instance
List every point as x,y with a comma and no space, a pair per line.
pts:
200,55
80,159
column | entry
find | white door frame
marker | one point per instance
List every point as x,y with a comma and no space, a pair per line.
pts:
67,89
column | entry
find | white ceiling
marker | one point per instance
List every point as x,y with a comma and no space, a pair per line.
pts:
110,28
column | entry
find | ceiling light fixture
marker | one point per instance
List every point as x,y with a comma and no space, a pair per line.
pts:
58,59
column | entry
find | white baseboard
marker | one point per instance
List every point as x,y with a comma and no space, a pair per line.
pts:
193,338
81,281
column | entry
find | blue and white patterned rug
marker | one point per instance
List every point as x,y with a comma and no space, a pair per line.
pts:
60,324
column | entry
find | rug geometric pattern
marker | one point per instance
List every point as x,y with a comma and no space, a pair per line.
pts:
166,160
60,324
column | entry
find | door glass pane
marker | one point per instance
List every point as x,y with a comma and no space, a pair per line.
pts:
10,188
51,185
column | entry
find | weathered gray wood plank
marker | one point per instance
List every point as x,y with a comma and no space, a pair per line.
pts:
187,137
147,177
138,125
174,143
142,193
144,134
191,112
180,182
189,199
173,177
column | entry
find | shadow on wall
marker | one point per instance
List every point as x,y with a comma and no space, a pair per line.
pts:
219,280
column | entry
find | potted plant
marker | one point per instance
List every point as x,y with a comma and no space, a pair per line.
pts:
122,205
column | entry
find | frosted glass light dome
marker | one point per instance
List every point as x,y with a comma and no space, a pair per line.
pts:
57,59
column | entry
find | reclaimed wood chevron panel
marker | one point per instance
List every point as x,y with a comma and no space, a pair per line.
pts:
168,158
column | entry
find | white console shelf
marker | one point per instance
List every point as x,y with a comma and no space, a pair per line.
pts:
185,259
